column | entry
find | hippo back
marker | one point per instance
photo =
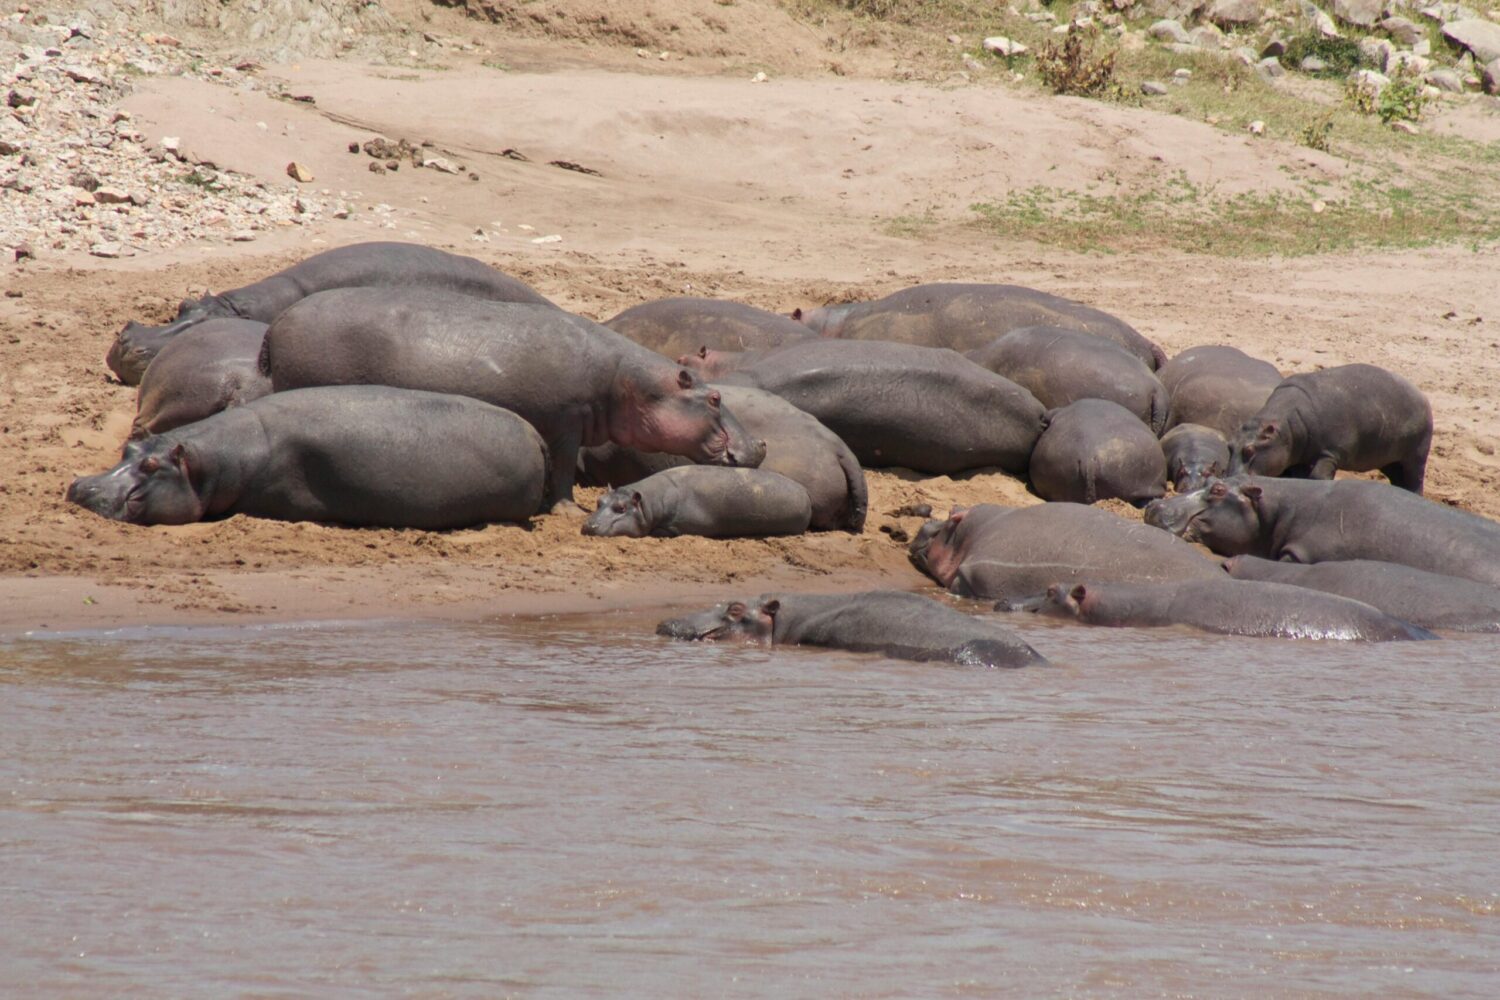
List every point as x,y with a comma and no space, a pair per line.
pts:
680,326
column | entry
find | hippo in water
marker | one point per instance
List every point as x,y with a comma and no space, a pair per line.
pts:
895,624
355,266
703,500
358,455
1432,600
1195,454
1230,607
990,551
1096,450
963,317
1217,386
576,382
683,325
1353,417
1313,521
210,367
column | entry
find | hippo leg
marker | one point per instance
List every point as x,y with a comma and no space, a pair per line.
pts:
1407,475
563,453
1323,468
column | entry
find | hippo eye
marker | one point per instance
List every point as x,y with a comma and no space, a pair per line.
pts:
150,464
713,399
619,508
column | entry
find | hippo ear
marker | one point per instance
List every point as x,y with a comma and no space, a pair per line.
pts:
1078,593
703,352
957,514
797,314
684,378
1268,431
714,398
769,608
177,454
635,499
1251,493
1218,490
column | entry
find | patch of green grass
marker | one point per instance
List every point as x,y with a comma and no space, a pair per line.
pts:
1340,55
208,182
910,226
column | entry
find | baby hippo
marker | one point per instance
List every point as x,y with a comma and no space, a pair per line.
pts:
1230,607
1096,450
707,500
1195,454
206,368
890,622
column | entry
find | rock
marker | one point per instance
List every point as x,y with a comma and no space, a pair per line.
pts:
115,196
954,40
377,167
298,172
84,179
1480,37
1360,13
1489,77
971,64
1257,127
1423,47
1404,31
1312,64
242,236
1002,46
440,163
1246,55
1152,88
8,148
1182,73
554,238
82,74
1275,48
1177,10
20,99
1370,81
1206,36
107,250
1407,62
1319,21
1406,127
1377,52
83,198
1229,14
759,77
1169,31
1446,79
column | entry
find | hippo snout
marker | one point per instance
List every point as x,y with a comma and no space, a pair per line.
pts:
89,492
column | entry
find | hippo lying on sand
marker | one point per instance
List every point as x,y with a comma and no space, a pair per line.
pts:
406,265
210,367
1096,450
1195,454
1311,521
1217,386
359,455
1231,607
703,500
892,623
683,325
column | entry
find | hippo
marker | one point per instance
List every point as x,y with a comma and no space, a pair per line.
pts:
211,366
1000,552
575,381
1217,386
703,500
1096,450
354,266
1353,417
1060,366
714,364
1226,606
889,622
1432,600
967,316
359,455
796,446
923,408
681,325
1195,454
1313,521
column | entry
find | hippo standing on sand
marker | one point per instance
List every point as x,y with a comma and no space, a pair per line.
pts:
359,265
1217,386
895,404
1432,600
1195,454
703,500
797,446
1313,521
892,623
358,455
1226,606
990,551
682,325
576,382
967,316
1096,450
211,367
1354,417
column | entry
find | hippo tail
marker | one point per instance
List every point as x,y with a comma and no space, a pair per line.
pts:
263,359
1159,355
858,492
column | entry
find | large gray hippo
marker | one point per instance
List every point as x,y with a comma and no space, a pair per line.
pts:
797,446
967,316
892,623
576,382
1195,454
703,500
1226,606
1004,552
210,367
359,455
1353,417
1313,521
1096,450
897,404
1217,386
1432,600
359,265
683,325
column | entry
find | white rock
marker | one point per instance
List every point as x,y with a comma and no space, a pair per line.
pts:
1167,30
1480,37
1257,127
1002,46
554,238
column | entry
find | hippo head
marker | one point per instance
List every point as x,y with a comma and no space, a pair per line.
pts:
681,415
710,364
825,321
151,485
1264,448
619,514
935,551
1224,515
742,621
1060,601
1194,475
137,343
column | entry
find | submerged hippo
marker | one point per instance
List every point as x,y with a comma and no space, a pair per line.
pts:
1312,521
703,500
1231,607
358,455
990,551
895,404
1061,366
576,382
210,367
1353,417
963,317
895,624
677,326
1096,450
1432,600
1195,454
357,265
796,446
1217,386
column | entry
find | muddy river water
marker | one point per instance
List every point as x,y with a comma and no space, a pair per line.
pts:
571,807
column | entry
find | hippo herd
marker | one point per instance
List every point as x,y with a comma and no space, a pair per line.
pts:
391,384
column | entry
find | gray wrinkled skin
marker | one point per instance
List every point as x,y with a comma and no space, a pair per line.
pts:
210,367
1096,450
1195,454
703,500
1217,386
358,265
892,623
680,326
356,455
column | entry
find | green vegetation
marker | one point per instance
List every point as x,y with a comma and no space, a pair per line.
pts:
1339,55
1073,68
